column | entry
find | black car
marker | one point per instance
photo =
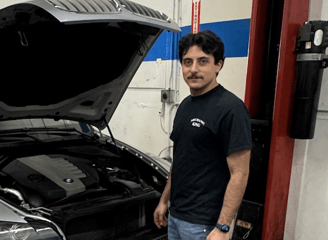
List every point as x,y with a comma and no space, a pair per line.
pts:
65,65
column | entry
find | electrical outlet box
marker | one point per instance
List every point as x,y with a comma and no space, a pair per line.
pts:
168,96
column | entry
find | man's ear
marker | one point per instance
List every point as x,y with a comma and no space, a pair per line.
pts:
219,65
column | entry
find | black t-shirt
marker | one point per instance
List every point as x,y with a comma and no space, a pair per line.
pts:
207,128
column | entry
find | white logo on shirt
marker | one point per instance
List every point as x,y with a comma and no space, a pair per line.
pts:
196,122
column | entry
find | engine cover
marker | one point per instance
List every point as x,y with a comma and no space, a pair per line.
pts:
52,177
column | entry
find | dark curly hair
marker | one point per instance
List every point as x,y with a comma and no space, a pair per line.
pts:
207,40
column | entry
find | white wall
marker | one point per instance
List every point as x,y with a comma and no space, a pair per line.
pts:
307,212
4,3
137,120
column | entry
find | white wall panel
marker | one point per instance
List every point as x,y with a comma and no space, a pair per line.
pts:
166,6
233,75
295,187
152,74
313,202
323,101
321,13
186,12
137,120
214,11
308,194
4,3
324,10
217,11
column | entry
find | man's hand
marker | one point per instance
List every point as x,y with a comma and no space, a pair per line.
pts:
159,215
216,234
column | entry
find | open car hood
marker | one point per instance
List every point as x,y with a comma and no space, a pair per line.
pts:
73,59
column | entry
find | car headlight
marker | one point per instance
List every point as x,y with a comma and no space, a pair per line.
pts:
27,231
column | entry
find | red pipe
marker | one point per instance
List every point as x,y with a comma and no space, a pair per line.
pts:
282,146
257,45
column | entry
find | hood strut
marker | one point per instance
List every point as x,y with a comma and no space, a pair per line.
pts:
111,135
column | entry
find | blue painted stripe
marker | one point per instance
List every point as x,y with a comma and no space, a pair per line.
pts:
235,35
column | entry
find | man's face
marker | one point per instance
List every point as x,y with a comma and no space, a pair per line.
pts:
199,70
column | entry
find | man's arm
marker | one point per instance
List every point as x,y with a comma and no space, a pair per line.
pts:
238,164
159,214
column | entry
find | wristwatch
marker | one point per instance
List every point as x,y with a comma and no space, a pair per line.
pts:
223,228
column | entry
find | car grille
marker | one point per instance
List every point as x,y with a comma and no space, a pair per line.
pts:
142,10
103,226
132,220
86,6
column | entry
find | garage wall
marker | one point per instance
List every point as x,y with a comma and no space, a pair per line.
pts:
307,212
4,3
141,119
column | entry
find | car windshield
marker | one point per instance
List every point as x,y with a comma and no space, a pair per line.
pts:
46,124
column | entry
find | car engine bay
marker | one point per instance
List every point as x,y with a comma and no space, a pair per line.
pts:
87,190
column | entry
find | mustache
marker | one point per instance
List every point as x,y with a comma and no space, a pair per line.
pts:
194,76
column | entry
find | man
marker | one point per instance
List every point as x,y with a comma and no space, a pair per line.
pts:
212,143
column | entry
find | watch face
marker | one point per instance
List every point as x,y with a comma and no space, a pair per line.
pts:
223,228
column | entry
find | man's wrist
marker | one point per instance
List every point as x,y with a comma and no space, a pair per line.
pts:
223,227
164,202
